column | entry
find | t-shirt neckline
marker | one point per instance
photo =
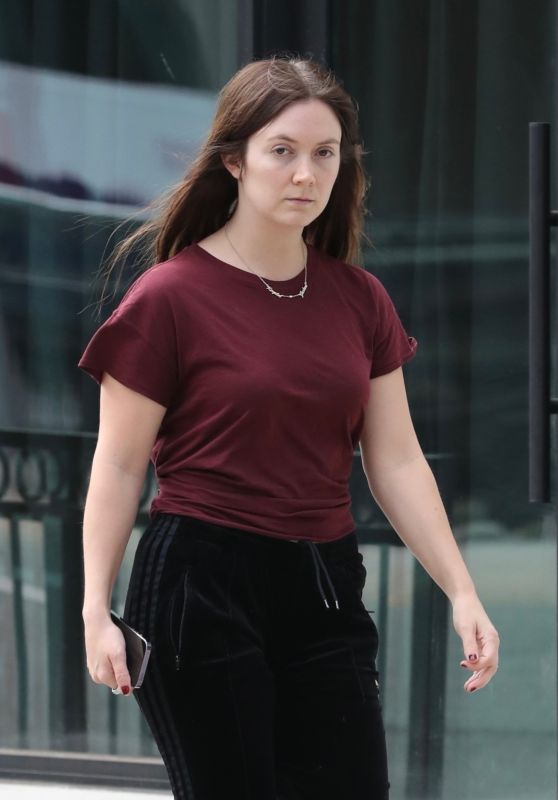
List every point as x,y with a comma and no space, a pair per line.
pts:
250,277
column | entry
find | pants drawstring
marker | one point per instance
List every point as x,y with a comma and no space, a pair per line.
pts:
318,561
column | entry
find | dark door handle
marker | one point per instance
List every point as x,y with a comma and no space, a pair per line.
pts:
540,221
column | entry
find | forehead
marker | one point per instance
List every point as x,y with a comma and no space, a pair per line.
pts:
305,120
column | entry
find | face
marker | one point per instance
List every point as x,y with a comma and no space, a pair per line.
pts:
291,165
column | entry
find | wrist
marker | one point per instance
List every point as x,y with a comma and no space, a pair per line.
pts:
95,613
463,593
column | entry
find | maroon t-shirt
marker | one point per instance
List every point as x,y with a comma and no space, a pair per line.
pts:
265,396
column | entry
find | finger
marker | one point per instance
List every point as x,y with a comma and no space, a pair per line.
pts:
487,656
479,679
474,679
121,675
487,663
470,647
489,649
103,673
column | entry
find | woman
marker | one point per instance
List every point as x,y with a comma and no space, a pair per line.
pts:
248,361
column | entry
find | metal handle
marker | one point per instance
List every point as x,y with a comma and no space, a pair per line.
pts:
540,404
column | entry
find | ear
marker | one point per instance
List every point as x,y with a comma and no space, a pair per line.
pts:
231,164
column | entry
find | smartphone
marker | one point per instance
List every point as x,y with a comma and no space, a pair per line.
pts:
138,650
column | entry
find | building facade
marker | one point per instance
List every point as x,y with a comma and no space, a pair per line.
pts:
102,105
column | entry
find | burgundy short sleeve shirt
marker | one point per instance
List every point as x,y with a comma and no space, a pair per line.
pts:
265,397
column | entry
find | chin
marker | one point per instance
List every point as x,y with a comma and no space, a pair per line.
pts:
302,217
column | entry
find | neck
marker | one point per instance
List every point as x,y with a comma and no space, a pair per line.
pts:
277,253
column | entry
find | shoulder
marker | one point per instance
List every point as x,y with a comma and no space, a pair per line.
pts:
158,284
352,276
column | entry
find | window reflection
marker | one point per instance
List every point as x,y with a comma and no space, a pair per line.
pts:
101,108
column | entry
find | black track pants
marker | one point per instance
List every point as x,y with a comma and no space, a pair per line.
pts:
262,683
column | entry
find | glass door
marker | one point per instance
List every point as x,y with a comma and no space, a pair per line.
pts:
446,93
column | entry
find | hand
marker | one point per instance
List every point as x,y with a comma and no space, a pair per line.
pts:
480,640
106,653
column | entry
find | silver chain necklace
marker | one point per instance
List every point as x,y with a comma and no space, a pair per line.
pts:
267,286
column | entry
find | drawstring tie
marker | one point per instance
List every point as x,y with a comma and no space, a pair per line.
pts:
318,561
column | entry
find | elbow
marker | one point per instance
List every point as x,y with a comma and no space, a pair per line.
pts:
128,466
379,472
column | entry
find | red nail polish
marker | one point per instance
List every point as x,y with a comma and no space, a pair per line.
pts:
473,657
473,689
125,690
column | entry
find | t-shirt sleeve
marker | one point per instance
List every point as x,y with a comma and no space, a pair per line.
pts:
137,343
391,345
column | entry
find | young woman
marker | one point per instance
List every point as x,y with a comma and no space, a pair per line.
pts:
248,362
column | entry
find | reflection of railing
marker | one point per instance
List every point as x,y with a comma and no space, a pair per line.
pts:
40,481
43,483
48,472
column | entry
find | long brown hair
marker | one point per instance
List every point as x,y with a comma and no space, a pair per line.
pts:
201,202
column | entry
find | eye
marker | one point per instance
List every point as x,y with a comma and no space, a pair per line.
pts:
327,151
280,147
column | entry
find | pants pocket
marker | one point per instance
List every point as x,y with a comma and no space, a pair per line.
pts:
177,615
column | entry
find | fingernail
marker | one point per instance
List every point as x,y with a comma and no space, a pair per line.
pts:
463,664
125,690
473,689
472,657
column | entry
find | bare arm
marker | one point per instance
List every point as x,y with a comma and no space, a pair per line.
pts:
402,483
128,425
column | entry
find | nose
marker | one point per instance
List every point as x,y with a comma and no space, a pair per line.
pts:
304,172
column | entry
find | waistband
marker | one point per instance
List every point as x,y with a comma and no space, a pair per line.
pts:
230,536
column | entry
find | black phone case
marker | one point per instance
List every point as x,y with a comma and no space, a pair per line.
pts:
138,650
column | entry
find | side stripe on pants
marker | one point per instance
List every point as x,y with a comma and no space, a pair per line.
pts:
140,612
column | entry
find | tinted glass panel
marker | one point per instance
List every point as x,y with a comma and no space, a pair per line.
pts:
446,93
102,105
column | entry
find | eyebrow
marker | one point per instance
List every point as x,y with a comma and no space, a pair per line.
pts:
294,141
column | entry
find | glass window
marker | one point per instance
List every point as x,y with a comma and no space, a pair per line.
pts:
102,106
446,93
